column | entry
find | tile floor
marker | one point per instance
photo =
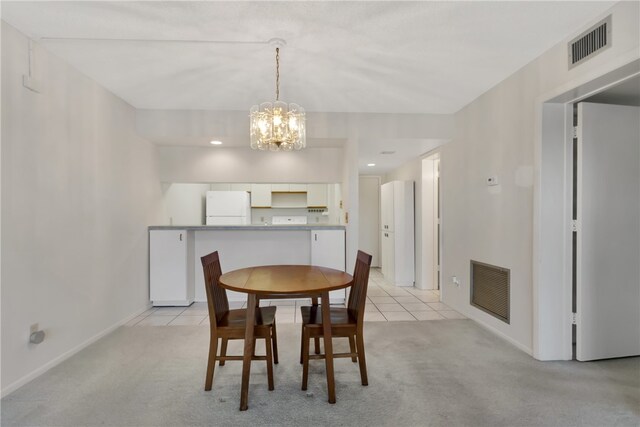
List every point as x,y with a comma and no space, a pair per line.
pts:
385,302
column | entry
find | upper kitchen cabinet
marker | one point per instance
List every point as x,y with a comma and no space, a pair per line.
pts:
220,186
260,195
288,188
317,195
280,188
226,186
240,187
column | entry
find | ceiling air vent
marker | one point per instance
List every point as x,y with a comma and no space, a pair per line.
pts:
591,42
387,152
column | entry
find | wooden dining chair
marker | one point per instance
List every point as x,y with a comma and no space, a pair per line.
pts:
345,322
228,324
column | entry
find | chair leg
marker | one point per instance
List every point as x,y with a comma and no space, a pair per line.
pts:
211,364
274,342
361,359
267,346
223,350
254,348
301,344
352,347
305,357
316,341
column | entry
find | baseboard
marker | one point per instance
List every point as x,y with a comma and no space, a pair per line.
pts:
64,356
173,303
505,337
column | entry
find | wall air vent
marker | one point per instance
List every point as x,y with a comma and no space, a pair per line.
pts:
490,289
387,152
590,43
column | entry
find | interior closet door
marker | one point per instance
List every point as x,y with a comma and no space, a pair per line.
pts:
608,232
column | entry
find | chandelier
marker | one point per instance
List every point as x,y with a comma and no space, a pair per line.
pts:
277,126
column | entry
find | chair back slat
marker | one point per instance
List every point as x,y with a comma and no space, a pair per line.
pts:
358,294
217,301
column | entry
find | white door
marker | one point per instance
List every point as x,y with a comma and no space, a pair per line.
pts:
386,206
608,237
388,256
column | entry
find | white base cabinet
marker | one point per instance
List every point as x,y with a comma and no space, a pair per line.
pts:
328,250
175,271
397,233
171,276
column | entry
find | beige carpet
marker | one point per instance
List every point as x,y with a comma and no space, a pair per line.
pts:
450,373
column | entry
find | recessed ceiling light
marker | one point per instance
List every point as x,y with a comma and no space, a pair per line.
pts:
216,142
371,164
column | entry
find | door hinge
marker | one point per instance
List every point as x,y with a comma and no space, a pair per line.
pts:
575,132
574,225
573,319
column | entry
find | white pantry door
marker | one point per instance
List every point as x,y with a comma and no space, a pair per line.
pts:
608,236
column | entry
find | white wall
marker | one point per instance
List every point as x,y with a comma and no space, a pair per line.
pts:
350,201
79,189
184,204
429,239
175,127
369,218
495,134
194,164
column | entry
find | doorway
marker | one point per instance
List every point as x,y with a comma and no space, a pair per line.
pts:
431,223
554,215
369,217
606,230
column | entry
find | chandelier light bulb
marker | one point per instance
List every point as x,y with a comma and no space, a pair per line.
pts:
277,126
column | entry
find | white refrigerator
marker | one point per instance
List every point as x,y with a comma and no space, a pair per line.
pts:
228,208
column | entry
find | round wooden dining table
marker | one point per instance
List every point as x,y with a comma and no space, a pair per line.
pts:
285,281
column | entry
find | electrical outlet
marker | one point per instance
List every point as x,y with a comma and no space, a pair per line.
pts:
34,328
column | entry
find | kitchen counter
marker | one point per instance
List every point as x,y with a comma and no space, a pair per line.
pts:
252,227
176,275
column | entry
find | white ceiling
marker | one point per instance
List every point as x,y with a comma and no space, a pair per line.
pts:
387,57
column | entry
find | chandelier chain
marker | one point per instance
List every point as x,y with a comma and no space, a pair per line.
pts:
277,126
277,74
